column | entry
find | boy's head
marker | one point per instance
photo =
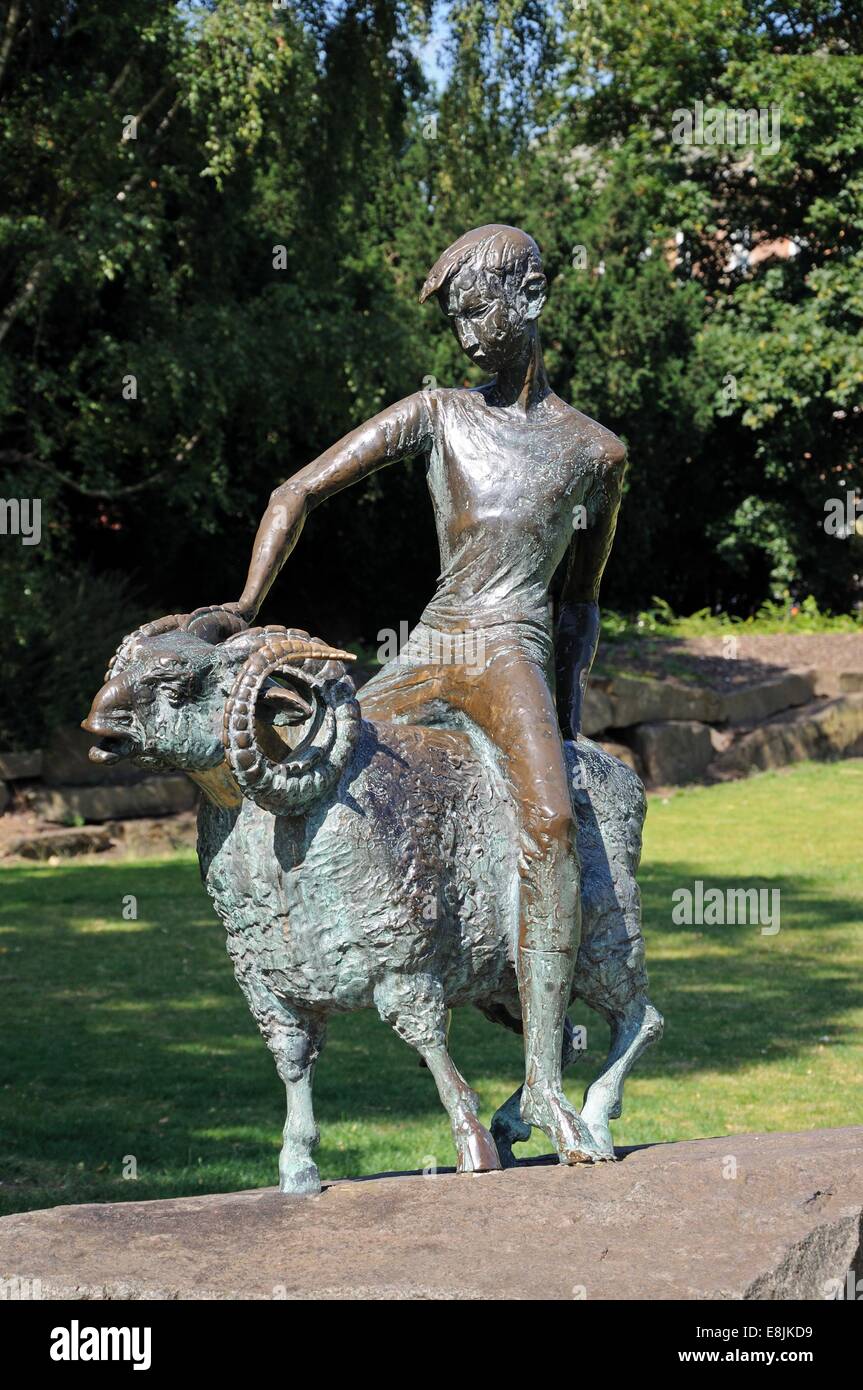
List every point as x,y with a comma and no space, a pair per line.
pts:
491,287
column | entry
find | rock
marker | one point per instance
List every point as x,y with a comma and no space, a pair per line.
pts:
673,751
596,712
821,730
146,838
65,762
157,796
625,754
63,844
5,797
14,767
833,683
721,739
641,699
667,1222
826,684
752,703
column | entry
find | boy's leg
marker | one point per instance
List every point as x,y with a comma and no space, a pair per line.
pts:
512,703
508,697
407,688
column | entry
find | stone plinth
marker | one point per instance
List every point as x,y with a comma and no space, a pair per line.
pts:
667,1221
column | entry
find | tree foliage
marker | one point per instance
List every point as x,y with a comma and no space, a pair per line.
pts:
214,221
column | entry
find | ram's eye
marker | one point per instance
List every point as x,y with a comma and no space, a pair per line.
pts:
176,683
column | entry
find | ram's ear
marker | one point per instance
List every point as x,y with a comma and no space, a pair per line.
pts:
230,657
284,703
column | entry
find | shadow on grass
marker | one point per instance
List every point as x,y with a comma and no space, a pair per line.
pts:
129,1039
729,992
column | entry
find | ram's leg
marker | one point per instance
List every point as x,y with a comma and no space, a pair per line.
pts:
415,1008
632,1030
295,1037
298,1173
476,1150
610,974
507,1126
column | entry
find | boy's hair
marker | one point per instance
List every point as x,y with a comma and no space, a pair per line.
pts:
493,247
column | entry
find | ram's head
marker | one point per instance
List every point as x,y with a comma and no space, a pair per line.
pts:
200,691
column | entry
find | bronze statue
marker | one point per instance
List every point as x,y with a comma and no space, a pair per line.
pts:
509,463
446,847
359,864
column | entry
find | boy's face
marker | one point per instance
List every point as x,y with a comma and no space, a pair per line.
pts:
492,314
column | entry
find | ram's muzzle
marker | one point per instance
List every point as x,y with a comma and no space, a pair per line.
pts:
110,721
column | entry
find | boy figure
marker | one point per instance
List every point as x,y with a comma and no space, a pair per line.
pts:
519,482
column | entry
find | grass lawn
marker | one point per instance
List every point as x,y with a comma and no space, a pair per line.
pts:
130,1038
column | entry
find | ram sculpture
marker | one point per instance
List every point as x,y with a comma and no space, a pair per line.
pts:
362,865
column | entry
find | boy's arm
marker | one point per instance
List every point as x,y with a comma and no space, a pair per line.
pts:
396,433
577,632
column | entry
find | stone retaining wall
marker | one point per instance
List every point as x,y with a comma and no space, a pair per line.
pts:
72,806
673,733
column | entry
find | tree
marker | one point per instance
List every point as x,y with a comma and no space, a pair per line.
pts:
215,221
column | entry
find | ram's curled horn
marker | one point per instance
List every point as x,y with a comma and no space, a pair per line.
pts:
123,654
253,638
215,624
283,781
212,624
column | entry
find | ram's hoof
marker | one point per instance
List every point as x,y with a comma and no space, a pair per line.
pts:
300,1182
601,1135
552,1113
477,1153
